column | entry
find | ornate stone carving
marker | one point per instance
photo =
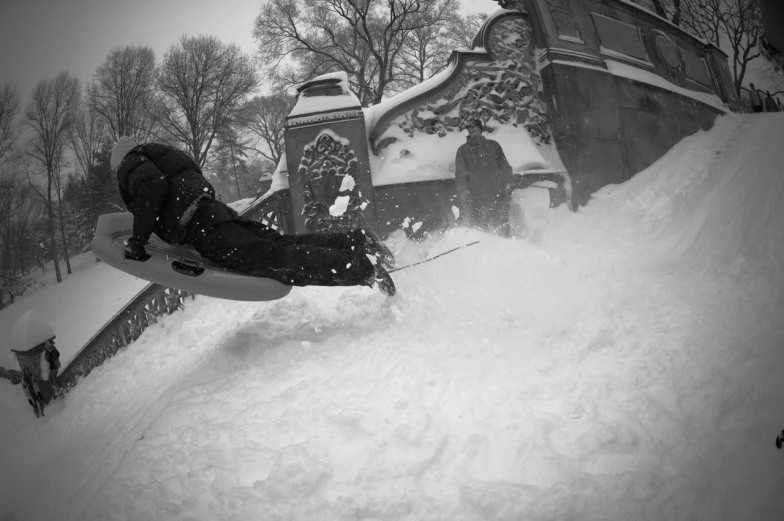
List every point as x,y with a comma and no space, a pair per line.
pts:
563,18
666,57
324,165
666,50
507,89
324,117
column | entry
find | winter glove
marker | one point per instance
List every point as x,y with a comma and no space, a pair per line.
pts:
134,249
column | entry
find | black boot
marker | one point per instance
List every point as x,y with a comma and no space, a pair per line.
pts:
376,248
383,281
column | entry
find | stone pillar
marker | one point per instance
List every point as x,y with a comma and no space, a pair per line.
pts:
28,339
327,158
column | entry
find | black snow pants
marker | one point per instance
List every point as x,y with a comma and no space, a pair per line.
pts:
312,259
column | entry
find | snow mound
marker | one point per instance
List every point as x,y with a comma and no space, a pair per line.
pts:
616,363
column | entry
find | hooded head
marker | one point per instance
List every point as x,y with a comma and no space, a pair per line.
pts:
124,145
474,122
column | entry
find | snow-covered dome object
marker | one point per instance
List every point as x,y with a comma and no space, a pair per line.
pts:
29,331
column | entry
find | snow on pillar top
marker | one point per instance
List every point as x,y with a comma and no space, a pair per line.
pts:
30,331
326,93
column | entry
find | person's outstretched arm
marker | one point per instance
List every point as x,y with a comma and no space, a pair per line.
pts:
147,187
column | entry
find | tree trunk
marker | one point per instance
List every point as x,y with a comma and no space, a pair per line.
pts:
21,260
62,236
7,254
62,226
51,231
676,15
234,170
93,212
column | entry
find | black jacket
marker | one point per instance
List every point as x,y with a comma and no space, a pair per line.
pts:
158,183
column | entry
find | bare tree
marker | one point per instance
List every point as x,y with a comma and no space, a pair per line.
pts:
463,30
742,26
50,116
58,186
704,18
9,108
264,118
300,39
87,138
737,21
229,153
19,211
426,50
201,82
121,89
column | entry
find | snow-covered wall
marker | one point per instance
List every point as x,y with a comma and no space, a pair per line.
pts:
623,86
496,81
597,88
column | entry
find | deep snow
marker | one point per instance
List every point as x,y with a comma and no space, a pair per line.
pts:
622,362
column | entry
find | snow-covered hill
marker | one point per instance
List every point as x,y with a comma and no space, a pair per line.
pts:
620,363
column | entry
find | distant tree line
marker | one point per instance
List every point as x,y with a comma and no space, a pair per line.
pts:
201,97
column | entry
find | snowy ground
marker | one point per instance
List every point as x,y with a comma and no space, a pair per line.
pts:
622,363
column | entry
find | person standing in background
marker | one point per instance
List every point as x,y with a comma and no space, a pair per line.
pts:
756,100
52,356
483,180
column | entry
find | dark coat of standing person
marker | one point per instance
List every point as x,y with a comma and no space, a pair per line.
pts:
483,179
165,190
756,99
770,103
32,392
52,357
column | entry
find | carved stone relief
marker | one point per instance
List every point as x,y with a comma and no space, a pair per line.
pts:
323,167
563,18
505,90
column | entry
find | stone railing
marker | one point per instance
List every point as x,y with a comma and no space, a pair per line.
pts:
127,325
274,210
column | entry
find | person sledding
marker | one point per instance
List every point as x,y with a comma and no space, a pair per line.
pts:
165,190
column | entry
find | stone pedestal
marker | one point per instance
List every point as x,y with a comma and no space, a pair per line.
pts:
327,159
29,337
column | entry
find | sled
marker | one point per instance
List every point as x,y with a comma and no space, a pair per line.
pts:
178,267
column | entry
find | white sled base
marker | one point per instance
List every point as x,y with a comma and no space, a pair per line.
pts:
178,267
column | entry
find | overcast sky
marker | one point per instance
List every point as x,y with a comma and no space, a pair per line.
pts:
40,38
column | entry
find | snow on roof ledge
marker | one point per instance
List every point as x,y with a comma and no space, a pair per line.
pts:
678,28
630,72
634,73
